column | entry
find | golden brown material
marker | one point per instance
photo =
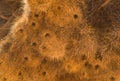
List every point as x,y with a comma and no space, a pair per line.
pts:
60,40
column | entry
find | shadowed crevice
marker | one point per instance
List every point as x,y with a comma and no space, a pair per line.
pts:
9,10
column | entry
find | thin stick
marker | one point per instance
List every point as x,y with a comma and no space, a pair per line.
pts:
3,17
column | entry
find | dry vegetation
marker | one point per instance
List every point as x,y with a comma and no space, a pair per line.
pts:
60,40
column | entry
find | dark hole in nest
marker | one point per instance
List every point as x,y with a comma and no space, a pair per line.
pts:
35,52
1,63
98,55
19,74
33,24
112,78
4,79
75,16
88,65
47,34
21,30
36,15
97,67
83,57
59,8
34,44
26,58
44,73
44,61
